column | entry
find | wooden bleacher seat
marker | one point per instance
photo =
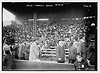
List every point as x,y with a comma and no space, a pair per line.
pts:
52,52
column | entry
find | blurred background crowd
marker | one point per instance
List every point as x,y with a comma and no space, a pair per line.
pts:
48,35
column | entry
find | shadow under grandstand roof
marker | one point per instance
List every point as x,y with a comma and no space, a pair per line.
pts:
51,9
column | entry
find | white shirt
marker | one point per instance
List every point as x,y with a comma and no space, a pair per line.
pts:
6,47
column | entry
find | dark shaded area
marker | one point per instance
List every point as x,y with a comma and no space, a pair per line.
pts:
20,9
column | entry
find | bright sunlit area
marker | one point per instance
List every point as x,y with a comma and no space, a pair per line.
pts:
7,17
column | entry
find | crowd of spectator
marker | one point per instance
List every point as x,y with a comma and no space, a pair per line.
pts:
71,33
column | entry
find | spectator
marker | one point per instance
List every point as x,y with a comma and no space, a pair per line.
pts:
80,63
8,61
93,51
6,47
34,52
72,53
81,48
60,52
27,50
15,52
22,52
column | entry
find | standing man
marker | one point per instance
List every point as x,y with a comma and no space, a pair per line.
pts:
6,47
72,53
27,49
81,48
15,48
34,51
8,61
60,52
22,51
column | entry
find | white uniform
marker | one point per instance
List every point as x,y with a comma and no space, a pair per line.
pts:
34,52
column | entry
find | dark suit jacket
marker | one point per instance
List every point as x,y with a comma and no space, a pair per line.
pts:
60,52
72,53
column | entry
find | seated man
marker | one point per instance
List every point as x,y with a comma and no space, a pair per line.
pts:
81,64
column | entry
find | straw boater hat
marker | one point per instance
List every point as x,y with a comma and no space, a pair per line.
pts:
83,39
6,47
61,43
34,38
16,41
